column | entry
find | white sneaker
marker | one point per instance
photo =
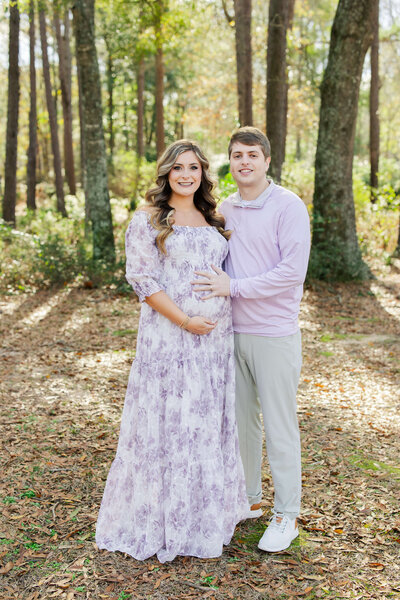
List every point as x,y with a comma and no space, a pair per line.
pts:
255,511
254,514
279,534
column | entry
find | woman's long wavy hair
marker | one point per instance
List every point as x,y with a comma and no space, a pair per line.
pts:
159,196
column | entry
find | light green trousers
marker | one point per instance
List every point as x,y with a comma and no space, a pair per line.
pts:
267,376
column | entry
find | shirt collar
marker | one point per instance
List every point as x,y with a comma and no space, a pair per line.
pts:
259,202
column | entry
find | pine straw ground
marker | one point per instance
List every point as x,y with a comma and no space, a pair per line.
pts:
65,357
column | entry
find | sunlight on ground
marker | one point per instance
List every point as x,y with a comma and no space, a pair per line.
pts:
388,300
111,359
9,305
75,322
43,310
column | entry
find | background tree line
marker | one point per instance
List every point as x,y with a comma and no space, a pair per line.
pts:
96,91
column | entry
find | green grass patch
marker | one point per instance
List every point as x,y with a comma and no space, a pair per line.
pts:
368,464
123,332
33,545
28,493
208,581
326,337
9,500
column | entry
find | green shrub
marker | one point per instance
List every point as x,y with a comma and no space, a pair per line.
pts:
54,251
298,176
226,186
126,181
223,170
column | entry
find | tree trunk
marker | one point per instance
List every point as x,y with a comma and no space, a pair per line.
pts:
52,112
244,60
10,169
125,129
140,72
95,149
374,106
159,100
81,124
279,20
110,104
32,149
335,252
140,107
396,253
64,68
82,148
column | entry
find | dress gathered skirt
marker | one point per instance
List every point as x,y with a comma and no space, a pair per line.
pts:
176,485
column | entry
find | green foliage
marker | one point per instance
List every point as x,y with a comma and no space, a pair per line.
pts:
28,494
298,176
226,186
377,227
378,222
9,500
223,170
129,179
336,262
48,250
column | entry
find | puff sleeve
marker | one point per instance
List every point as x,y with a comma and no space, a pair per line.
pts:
143,268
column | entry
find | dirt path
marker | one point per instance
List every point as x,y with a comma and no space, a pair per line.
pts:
64,361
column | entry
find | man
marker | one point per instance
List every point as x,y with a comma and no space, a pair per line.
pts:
265,271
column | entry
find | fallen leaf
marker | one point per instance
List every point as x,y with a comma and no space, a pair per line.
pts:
7,568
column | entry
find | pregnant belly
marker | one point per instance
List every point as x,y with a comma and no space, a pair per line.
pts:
192,304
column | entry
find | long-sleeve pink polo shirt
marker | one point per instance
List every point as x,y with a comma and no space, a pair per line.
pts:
267,261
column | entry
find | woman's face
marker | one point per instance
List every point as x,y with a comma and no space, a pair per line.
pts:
185,175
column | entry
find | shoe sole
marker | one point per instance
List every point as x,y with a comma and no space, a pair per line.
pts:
254,514
279,549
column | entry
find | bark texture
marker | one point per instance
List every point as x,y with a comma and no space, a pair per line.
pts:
55,146
95,151
81,125
64,70
140,107
244,60
32,149
110,103
140,80
10,169
397,249
374,106
159,100
335,253
279,20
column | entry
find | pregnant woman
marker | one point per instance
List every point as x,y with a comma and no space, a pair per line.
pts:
176,486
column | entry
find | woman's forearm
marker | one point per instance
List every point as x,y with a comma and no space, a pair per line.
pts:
162,303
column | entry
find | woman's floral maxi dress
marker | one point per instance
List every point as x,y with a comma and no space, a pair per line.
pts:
176,486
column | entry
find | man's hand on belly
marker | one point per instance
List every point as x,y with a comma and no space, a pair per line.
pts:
217,285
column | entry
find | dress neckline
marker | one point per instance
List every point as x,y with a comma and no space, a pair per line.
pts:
173,226
194,226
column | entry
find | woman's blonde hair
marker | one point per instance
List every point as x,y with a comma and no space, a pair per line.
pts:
159,196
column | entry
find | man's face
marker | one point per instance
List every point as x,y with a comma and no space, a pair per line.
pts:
248,165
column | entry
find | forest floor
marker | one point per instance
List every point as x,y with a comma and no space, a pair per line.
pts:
65,356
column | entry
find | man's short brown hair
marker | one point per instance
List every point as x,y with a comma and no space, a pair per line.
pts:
251,136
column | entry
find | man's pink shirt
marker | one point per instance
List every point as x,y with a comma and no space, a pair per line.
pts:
267,261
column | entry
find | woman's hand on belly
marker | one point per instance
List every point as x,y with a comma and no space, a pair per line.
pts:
200,325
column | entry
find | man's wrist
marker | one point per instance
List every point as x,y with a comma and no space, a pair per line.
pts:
234,288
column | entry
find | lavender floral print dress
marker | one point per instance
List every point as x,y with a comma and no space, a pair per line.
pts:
176,486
